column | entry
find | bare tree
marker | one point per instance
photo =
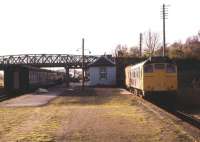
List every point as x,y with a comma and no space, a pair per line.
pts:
152,42
192,46
121,51
176,50
198,35
134,51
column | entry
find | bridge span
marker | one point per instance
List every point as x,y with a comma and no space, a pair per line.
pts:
47,60
13,65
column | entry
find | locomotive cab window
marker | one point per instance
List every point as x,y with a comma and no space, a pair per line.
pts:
148,68
159,66
170,68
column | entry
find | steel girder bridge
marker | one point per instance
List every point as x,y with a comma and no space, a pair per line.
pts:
47,60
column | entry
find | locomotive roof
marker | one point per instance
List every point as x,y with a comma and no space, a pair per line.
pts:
157,59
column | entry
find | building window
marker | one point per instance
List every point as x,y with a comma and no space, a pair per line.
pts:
102,73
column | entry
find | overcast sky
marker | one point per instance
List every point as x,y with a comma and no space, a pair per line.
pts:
57,26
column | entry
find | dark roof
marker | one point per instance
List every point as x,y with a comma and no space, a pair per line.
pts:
102,61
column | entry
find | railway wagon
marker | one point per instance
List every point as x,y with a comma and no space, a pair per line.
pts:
22,78
154,75
41,77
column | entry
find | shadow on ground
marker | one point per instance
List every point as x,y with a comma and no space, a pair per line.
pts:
93,96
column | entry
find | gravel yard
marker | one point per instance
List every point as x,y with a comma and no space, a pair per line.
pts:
95,114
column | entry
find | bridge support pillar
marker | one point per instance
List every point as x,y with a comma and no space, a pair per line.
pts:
67,76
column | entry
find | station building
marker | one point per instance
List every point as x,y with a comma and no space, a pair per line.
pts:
102,72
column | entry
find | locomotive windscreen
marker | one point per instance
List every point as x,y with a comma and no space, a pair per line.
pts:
159,66
170,68
148,68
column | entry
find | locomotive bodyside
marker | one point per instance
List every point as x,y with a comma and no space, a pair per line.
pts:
152,76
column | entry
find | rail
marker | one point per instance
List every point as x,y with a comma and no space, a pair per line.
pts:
188,118
3,98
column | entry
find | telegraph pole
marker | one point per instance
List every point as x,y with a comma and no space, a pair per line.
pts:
164,41
83,65
164,16
140,44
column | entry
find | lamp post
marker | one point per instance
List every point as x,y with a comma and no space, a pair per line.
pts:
83,65
83,62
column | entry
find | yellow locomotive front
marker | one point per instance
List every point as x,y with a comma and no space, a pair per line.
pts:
159,76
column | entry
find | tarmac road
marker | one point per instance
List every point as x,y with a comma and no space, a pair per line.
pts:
34,99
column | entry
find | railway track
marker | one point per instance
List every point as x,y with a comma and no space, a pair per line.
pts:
180,114
177,113
188,118
3,97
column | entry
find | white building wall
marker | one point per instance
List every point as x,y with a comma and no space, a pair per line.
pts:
94,76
